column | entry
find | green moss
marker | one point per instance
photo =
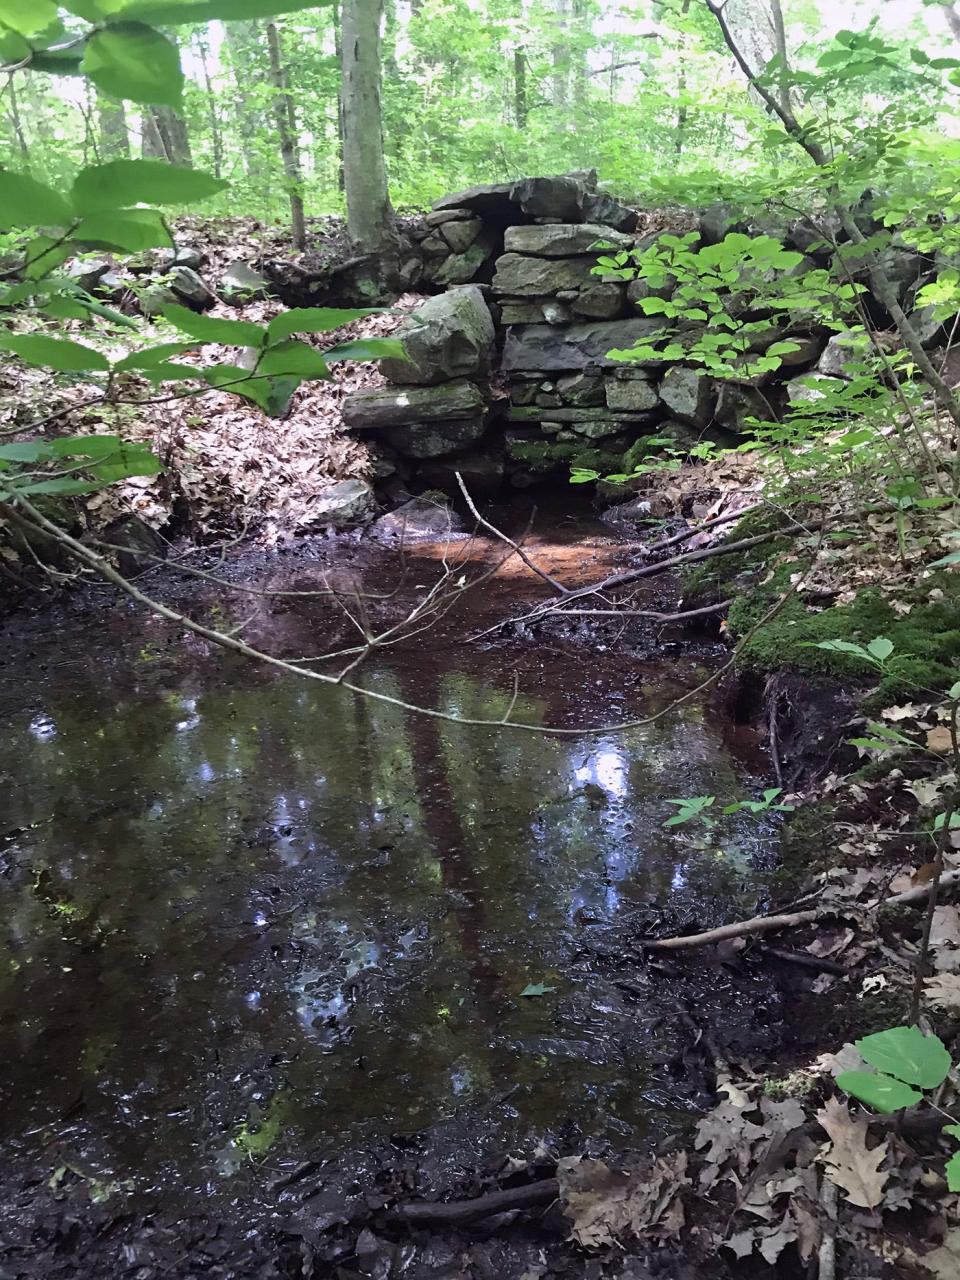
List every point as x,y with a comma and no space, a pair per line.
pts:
541,455
926,640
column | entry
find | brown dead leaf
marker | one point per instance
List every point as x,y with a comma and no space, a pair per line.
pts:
939,740
606,1205
945,1261
848,1162
726,1132
943,992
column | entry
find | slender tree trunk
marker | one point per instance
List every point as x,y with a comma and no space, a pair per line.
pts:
780,50
338,49
114,136
560,55
682,110
216,137
15,121
287,129
165,136
520,109
369,212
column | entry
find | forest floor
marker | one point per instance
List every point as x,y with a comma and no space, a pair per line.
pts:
632,1112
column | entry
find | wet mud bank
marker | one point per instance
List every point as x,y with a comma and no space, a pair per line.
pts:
278,958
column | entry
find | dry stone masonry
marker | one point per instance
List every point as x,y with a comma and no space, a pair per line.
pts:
510,379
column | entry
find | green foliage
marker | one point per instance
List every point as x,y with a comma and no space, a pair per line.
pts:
903,1057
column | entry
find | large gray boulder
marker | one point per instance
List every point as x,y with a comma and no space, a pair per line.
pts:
393,406
428,516
348,502
842,350
603,301
563,240
689,395
460,235
460,268
490,201
242,283
190,288
539,348
434,439
525,277
451,336
736,403
634,396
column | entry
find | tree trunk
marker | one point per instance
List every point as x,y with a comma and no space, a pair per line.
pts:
369,212
16,122
520,110
287,129
165,136
216,137
338,49
114,137
560,55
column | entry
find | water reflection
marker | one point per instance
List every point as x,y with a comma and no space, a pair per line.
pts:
236,882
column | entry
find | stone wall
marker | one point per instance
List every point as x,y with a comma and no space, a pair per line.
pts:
510,379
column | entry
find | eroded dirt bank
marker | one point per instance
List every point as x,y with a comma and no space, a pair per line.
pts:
278,957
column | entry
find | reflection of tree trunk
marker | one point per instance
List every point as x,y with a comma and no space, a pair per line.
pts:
165,136
953,20
440,819
287,129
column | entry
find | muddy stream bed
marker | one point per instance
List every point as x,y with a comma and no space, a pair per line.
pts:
265,944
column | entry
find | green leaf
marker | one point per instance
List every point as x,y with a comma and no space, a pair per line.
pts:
25,202
131,60
293,357
127,182
367,349
952,1129
881,1092
130,230
271,394
152,356
315,320
230,333
170,371
536,989
44,254
905,1052
874,744
953,1172
25,451
952,558
880,648
839,646
62,487
175,12
55,353
27,16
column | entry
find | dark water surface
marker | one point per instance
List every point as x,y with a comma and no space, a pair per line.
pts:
249,921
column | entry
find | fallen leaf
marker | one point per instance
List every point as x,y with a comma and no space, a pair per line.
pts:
726,1132
939,740
945,1261
536,989
847,1160
943,992
606,1205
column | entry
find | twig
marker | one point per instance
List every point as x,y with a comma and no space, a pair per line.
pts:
770,924
23,512
819,963
685,534
541,573
533,1195
827,1255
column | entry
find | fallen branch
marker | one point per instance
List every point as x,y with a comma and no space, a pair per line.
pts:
686,534
457,1213
497,533
770,924
819,964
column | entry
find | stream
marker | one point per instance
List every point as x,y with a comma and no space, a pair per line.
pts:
252,922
